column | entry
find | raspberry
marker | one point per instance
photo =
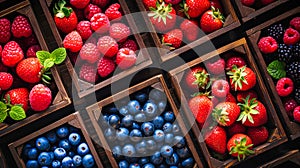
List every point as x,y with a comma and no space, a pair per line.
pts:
291,36
131,44
107,46
84,29
295,23
32,50
4,30
119,32
296,114
216,67
100,3
21,27
40,97
88,72
267,45
90,53
100,23
91,10
220,88
0,51
73,41
235,60
289,104
79,4
113,13
105,67
125,58
248,2
284,87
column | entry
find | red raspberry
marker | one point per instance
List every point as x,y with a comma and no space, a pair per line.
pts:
6,80
267,45
119,32
90,53
216,67
88,72
79,4
4,30
105,67
290,104
291,36
295,23
113,13
21,27
248,2
131,44
40,97
107,46
236,128
101,3
296,114
91,10
84,29
220,88
266,2
31,52
243,95
235,60
73,41
258,135
100,23
284,87
125,58
12,54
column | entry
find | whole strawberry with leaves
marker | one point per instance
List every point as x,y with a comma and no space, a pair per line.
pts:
240,145
172,39
242,78
216,139
194,8
197,78
226,113
201,107
211,20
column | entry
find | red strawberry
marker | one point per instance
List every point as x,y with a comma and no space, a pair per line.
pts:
113,13
220,88
105,67
216,67
149,4
179,11
12,54
267,45
173,38
284,86
258,135
241,95
253,113
226,113
4,30
100,3
291,36
131,44
216,139
119,32
194,8
18,96
217,5
6,80
196,78
79,4
242,78
230,98
73,41
235,60
266,2
240,146
295,23
40,97
107,46
289,105
31,52
90,53
296,114
236,128
64,17
21,27
163,17
88,72
190,30
91,10
84,29
211,20
201,107
100,23
248,2
29,70
125,58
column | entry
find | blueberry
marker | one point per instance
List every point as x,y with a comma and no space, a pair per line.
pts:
183,152
105,118
123,164
62,132
51,136
148,165
135,126
176,129
122,134
32,153
179,141
174,166
133,107
159,135
127,121
151,144
110,134
150,109
189,162
169,138
74,139
44,159
71,154
51,155
42,144
167,127
147,128
135,135
59,153
140,117
64,144
162,166
141,97
32,164
169,116
141,147
56,164
156,158
157,95
114,121
124,110
134,165
67,162
77,160
166,151
113,110
143,160
161,106
173,160
158,122
25,149
83,149
117,152
128,150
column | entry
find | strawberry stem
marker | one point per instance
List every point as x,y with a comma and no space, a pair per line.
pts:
241,149
238,76
247,110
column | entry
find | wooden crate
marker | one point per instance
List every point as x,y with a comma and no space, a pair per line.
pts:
94,112
84,88
73,120
277,135
291,156
231,22
293,128
12,5
61,98
3,163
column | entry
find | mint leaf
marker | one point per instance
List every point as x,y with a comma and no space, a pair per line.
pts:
276,69
3,111
17,113
48,63
59,55
42,56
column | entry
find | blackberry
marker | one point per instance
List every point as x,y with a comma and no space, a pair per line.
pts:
276,31
284,53
293,71
296,51
297,95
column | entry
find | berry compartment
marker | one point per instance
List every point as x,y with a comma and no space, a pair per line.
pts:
73,122
154,84
291,126
276,134
60,98
83,87
288,159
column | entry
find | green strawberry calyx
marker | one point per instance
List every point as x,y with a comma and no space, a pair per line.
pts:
238,76
185,9
221,116
217,14
15,112
61,11
276,69
241,149
247,110
48,60
161,12
201,79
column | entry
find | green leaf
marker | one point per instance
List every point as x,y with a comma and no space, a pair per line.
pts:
276,69
3,111
42,56
17,113
48,63
59,55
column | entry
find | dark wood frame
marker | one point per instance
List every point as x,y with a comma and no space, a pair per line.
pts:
293,155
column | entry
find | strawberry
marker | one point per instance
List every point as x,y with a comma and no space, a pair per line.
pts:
258,135
149,4
242,78
64,17
226,113
84,29
235,60
119,32
21,27
248,2
201,107
100,23
29,70
91,10
100,3
131,44
236,128
125,58
105,67
196,78
194,8
215,139
88,72
18,96
6,80
240,145
220,88
12,54
113,13
216,67
211,20
253,113
163,17
217,5
79,4
295,23
296,114
190,30
107,46
173,38
31,52
4,30
230,98
241,95
40,97
73,41
90,53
